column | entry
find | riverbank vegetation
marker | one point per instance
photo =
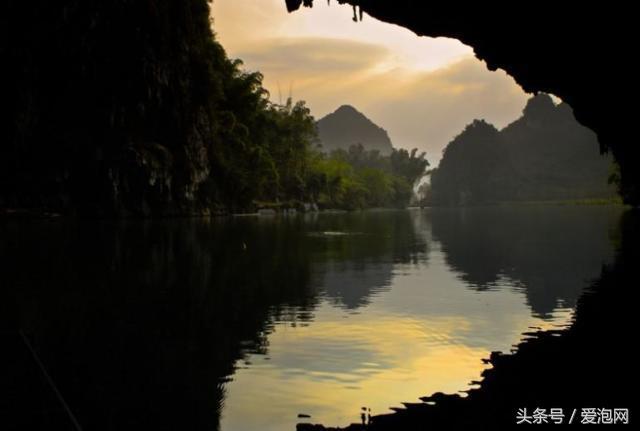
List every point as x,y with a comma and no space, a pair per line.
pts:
358,178
270,158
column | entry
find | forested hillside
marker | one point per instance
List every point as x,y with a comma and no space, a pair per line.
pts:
544,155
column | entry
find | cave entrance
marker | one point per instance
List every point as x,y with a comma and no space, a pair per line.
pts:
424,92
487,140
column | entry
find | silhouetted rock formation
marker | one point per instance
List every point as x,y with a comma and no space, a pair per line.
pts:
551,47
108,104
293,5
347,126
544,155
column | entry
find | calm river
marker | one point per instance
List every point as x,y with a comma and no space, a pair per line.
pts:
244,323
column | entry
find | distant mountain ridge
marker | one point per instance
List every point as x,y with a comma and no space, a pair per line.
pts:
347,126
544,155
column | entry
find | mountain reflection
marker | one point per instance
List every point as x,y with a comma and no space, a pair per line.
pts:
160,324
548,252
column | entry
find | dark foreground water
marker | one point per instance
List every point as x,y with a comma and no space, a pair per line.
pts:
244,323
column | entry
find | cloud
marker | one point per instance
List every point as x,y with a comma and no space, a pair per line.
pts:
290,57
323,71
427,110
424,109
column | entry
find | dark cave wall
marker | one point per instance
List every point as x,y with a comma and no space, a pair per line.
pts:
107,105
582,54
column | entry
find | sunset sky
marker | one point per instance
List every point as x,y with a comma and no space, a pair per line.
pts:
423,91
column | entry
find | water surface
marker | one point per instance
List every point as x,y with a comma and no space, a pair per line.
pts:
244,323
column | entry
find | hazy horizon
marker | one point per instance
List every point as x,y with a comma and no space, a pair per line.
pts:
423,91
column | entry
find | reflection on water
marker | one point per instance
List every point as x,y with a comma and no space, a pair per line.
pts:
243,324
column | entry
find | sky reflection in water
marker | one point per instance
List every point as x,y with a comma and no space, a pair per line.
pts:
244,323
408,303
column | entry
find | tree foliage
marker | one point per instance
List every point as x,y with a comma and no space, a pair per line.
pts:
357,178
